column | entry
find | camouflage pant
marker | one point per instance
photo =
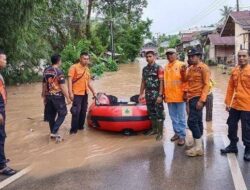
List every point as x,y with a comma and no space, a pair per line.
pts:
155,111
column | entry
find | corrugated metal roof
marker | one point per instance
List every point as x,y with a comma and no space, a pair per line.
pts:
217,40
242,18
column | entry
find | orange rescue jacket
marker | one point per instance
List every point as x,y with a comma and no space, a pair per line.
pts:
173,82
198,77
238,90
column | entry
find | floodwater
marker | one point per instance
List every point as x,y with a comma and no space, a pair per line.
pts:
98,154
28,141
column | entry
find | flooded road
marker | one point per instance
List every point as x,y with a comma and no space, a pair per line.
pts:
93,159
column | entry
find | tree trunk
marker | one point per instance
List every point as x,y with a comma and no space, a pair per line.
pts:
129,12
90,5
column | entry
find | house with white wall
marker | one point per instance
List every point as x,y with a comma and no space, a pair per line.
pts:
221,49
238,25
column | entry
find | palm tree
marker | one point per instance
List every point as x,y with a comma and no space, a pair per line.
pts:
225,11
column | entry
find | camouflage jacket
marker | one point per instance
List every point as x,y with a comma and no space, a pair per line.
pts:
152,75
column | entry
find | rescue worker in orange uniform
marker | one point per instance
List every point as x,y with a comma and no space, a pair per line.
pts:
238,104
79,85
4,169
197,76
173,96
209,102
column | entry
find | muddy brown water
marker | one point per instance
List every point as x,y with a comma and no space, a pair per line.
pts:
28,141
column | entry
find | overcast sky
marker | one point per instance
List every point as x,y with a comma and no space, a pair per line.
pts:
171,16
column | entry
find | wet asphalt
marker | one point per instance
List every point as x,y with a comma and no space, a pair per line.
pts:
163,166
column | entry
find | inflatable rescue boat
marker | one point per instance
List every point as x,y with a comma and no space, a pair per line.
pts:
109,114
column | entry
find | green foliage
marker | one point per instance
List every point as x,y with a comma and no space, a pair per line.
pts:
63,22
182,56
130,38
162,38
211,62
225,12
102,64
174,41
161,51
65,66
98,69
71,54
72,51
21,74
96,45
32,30
130,10
129,29
111,65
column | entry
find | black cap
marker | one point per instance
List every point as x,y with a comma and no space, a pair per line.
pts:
194,51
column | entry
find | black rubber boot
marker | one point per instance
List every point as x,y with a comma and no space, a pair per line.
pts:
247,154
231,148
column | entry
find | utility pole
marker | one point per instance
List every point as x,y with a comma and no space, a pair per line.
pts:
112,39
237,6
111,29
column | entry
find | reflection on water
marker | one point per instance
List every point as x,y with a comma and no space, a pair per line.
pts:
28,141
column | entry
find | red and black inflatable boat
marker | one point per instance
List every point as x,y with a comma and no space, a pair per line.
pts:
106,113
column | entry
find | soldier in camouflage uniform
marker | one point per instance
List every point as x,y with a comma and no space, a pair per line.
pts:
152,84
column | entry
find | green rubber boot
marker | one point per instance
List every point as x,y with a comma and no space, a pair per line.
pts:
160,130
153,130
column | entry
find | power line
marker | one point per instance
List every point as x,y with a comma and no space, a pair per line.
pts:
208,12
206,9
211,8
200,14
